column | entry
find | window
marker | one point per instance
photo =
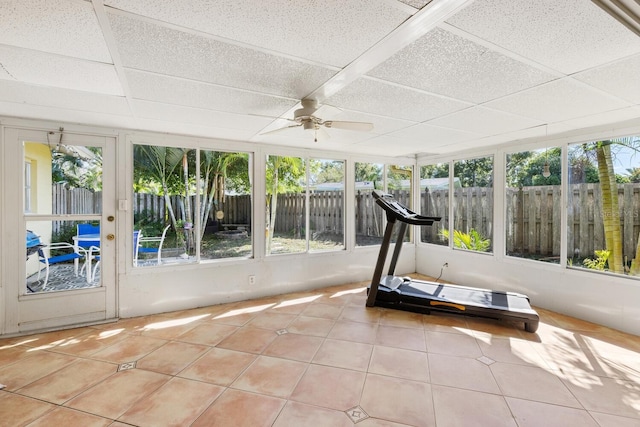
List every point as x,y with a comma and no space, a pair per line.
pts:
286,205
473,204
399,185
533,204
369,218
602,212
190,205
434,201
305,205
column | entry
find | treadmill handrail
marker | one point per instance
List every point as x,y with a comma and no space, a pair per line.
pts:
397,211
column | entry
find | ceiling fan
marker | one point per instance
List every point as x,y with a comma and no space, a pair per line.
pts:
303,117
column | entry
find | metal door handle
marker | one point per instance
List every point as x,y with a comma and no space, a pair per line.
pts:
110,236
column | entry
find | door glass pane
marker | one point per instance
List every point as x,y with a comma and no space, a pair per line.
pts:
225,203
369,217
434,200
61,180
326,205
286,205
473,204
164,205
533,204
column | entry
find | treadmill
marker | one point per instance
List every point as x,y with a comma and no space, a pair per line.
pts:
404,293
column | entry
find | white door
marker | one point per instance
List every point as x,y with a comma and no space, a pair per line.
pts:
55,184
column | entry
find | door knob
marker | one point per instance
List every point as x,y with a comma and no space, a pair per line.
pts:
110,236
111,218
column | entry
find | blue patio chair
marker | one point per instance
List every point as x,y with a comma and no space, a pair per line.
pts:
44,256
94,253
152,245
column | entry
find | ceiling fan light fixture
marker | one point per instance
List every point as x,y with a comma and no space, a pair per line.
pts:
545,170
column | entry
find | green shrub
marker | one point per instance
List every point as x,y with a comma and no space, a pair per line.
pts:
472,240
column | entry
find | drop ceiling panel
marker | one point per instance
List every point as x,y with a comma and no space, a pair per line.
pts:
62,98
65,27
391,146
557,101
149,47
33,67
567,35
325,31
179,114
484,121
621,78
433,136
376,97
444,63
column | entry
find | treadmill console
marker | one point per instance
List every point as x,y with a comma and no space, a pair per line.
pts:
397,211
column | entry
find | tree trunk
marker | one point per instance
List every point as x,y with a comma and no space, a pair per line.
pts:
610,209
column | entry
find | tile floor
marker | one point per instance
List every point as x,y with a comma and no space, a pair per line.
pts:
321,358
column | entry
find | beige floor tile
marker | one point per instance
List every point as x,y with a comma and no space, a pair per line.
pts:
207,333
455,407
16,410
532,383
89,343
234,316
361,313
311,326
62,385
398,400
396,362
376,422
241,409
607,395
112,397
294,347
249,340
354,331
49,340
168,329
271,376
179,402
272,321
533,414
452,344
608,420
29,369
407,338
329,387
296,414
130,349
401,319
511,350
172,357
218,366
344,354
462,372
69,417
325,311
487,328
11,354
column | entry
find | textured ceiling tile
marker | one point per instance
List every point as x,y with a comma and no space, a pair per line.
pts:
434,135
444,63
621,78
317,30
566,35
418,4
556,101
190,115
149,47
376,97
65,27
62,98
484,121
30,66
153,87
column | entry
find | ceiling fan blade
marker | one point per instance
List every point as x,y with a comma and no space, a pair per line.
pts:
280,129
359,126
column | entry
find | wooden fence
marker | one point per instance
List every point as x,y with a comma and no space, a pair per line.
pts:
533,214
